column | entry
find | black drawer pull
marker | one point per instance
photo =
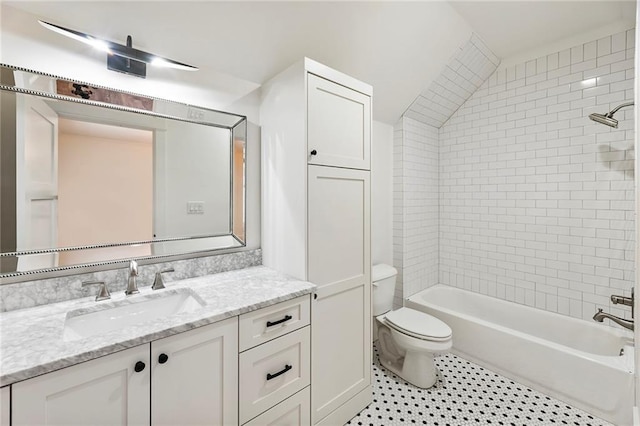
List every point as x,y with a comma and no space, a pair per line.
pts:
285,319
139,366
279,373
163,358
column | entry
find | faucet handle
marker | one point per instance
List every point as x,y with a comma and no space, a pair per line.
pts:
103,291
158,282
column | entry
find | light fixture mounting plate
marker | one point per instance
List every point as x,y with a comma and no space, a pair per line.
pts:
127,66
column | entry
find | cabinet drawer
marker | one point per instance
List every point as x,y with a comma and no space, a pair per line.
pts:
272,372
293,411
265,324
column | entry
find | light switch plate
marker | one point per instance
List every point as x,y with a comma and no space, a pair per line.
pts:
195,207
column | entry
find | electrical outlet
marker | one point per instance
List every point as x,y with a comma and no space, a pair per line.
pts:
195,207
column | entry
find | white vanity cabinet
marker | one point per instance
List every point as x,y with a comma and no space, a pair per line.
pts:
103,391
274,362
194,378
199,377
316,138
197,384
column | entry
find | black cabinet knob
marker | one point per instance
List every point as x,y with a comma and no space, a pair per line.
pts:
314,152
163,358
139,366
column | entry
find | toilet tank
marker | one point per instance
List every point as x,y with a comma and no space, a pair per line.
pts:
384,287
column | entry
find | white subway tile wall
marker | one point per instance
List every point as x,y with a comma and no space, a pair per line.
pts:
416,180
472,64
398,210
416,196
536,200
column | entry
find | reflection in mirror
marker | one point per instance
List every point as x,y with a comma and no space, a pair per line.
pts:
88,182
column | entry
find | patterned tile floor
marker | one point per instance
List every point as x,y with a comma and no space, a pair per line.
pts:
465,394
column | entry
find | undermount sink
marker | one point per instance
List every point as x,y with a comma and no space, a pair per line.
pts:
124,313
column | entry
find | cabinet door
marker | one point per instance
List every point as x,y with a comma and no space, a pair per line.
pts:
338,125
5,404
197,382
103,391
339,264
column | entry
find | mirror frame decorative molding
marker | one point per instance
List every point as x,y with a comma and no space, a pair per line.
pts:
203,245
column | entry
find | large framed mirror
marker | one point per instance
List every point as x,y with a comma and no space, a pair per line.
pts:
93,176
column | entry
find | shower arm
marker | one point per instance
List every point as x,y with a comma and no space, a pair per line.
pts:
613,111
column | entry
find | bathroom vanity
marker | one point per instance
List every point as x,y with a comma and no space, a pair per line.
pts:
233,348
241,357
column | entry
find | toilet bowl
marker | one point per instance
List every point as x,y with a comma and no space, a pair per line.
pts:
408,339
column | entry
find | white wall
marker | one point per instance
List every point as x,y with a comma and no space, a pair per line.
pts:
536,200
94,210
191,165
26,43
381,193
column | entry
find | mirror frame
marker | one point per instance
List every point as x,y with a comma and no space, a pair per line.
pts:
206,244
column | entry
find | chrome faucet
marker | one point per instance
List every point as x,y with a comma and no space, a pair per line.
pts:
600,316
132,286
627,301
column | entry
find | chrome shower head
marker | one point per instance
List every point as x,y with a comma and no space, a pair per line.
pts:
604,119
608,117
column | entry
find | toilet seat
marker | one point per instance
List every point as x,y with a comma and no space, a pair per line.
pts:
418,324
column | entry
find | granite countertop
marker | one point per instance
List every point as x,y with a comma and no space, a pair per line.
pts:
32,341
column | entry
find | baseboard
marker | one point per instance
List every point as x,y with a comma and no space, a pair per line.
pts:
346,411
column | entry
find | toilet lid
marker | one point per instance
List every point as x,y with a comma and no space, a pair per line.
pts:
418,324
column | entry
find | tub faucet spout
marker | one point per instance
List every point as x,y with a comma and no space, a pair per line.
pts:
600,316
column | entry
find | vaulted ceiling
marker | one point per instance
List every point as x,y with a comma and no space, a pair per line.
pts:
398,47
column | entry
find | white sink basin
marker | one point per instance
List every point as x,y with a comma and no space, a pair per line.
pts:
135,310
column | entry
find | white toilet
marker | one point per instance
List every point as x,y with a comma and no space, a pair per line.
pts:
408,339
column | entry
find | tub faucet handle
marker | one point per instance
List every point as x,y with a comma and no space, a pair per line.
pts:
623,300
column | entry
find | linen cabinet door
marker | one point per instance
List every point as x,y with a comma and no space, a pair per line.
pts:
112,390
338,125
339,264
195,376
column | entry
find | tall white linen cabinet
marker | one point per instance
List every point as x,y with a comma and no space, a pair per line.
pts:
316,145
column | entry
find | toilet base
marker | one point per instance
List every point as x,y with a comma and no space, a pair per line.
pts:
418,369
409,357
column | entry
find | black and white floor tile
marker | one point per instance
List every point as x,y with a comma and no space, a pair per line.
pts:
465,394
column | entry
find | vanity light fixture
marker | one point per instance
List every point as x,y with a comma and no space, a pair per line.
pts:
121,58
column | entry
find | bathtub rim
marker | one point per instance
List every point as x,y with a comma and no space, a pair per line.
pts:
623,362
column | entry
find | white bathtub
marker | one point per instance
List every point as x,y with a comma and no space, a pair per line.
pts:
573,360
